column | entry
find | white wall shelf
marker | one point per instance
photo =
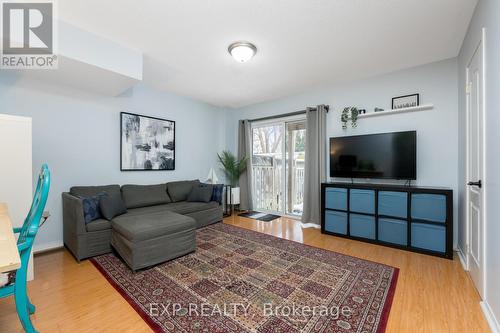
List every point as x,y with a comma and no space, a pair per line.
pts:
394,111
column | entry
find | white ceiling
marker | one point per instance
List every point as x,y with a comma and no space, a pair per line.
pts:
301,43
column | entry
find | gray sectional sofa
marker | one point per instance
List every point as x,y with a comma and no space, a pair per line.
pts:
159,224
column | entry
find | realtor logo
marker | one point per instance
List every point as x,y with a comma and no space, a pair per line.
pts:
28,35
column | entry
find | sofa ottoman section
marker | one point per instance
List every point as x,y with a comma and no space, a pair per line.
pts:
147,240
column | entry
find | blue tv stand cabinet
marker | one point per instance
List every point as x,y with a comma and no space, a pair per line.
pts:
411,218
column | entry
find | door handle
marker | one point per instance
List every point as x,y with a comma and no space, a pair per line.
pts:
478,184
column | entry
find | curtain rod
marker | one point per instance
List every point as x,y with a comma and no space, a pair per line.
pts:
283,115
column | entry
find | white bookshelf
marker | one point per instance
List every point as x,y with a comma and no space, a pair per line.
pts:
16,176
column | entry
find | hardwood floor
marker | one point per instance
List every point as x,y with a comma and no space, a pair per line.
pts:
432,295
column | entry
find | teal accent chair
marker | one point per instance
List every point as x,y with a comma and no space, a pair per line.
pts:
27,234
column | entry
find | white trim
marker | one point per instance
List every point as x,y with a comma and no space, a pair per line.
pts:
484,204
463,259
284,166
490,317
282,122
466,187
4,116
310,225
292,217
482,44
48,246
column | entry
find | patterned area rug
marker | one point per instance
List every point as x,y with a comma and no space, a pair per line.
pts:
243,281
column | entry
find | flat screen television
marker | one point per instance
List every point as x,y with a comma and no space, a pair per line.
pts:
377,156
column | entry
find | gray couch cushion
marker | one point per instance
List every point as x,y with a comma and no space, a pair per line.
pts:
179,191
136,228
206,217
98,225
145,195
182,207
200,193
185,207
149,210
112,205
89,191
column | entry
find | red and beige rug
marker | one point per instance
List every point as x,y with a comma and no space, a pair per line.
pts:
244,281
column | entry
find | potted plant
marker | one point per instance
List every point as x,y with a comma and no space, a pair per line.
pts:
233,168
350,112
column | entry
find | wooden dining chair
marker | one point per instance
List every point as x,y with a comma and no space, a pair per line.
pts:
27,233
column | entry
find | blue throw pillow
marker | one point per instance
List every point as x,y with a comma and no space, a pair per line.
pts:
217,193
91,207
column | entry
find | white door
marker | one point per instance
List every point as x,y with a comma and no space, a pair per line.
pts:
475,149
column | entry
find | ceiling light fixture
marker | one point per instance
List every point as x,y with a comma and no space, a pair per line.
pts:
242,51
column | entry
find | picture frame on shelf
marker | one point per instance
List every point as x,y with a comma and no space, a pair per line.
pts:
406,101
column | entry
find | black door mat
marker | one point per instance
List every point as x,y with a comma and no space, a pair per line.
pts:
259,216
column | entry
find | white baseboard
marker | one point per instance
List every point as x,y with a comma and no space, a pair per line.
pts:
47,246
490,317
463,261
488,314
310,225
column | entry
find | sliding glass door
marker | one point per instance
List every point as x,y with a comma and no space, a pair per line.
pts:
278,156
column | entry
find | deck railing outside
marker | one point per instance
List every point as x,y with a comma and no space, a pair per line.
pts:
267,189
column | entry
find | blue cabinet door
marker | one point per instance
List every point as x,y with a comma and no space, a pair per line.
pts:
393,204
393,231
336,198
428,207
428,237
362,226
336,222
362,201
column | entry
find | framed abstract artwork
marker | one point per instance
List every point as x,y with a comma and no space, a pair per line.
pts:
146,143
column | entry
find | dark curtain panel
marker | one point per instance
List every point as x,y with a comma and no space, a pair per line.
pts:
245,149
315,165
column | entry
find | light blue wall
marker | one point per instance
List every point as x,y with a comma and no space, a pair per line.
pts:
78,135
487,16
437,129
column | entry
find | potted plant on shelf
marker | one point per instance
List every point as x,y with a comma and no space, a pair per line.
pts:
350,112
233,168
